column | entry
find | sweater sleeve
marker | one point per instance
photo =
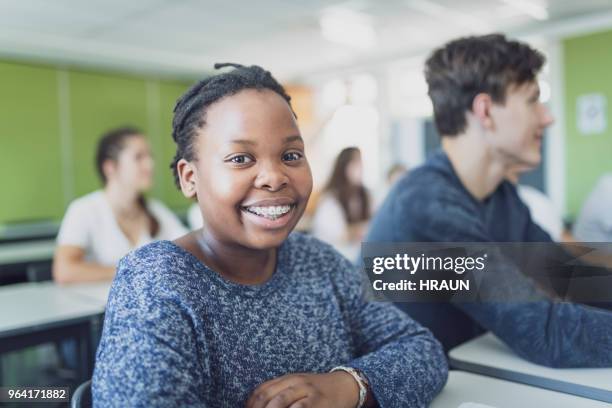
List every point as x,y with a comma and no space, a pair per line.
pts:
147,356
542,330
404,364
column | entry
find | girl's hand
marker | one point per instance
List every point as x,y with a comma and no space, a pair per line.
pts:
332,390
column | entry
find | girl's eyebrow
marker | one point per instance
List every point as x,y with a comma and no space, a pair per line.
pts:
243,141
288,139
294,138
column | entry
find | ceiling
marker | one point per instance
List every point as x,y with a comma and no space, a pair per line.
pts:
185,37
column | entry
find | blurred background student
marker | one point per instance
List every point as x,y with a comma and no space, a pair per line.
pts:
541,208
594,223
395,172
103,226
345,206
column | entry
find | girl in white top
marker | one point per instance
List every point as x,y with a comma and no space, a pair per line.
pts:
101,227
344,209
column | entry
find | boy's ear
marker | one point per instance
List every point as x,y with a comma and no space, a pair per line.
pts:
187,178
481,108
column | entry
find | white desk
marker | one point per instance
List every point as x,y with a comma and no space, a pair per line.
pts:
28,230
38,313
487,355
95,293
33,304
27,251
466,390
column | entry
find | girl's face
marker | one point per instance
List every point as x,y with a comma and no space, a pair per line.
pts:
134,166
251,174
354,170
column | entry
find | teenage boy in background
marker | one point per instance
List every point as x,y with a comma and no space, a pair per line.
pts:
487,110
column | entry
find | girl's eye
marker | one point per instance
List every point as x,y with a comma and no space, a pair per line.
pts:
292,156
240,159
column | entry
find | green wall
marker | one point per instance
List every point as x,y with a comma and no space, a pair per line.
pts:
30,151
588,69
168,94
50,120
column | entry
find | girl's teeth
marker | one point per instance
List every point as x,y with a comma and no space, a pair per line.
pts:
271,211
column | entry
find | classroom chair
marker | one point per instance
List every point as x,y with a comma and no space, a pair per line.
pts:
82,396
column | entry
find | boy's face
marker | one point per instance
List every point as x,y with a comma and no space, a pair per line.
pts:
518,125
252,177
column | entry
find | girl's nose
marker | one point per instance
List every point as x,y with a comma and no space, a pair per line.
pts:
271,177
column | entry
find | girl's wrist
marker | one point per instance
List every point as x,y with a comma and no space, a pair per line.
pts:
346,388
359,385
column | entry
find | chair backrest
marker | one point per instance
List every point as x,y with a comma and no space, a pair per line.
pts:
82,396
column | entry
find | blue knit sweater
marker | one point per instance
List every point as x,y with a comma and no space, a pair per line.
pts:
178,334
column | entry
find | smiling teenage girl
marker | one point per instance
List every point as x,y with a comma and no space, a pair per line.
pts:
241,313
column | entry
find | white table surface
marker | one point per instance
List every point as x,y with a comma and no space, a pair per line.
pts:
94,292
27,305
29,229
27,251
466,390
488,350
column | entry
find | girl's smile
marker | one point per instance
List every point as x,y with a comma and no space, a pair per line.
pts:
270,212
251,175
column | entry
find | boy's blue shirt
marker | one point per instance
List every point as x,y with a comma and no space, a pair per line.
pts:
431,205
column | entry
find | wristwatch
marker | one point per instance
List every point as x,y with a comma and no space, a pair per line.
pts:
362,382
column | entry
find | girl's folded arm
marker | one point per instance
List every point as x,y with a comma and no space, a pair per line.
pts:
148,355
403,362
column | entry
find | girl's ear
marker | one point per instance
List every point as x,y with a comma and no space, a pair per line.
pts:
187,177
109,168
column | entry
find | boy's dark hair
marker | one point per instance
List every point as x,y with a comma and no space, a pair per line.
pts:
190,109
465,67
